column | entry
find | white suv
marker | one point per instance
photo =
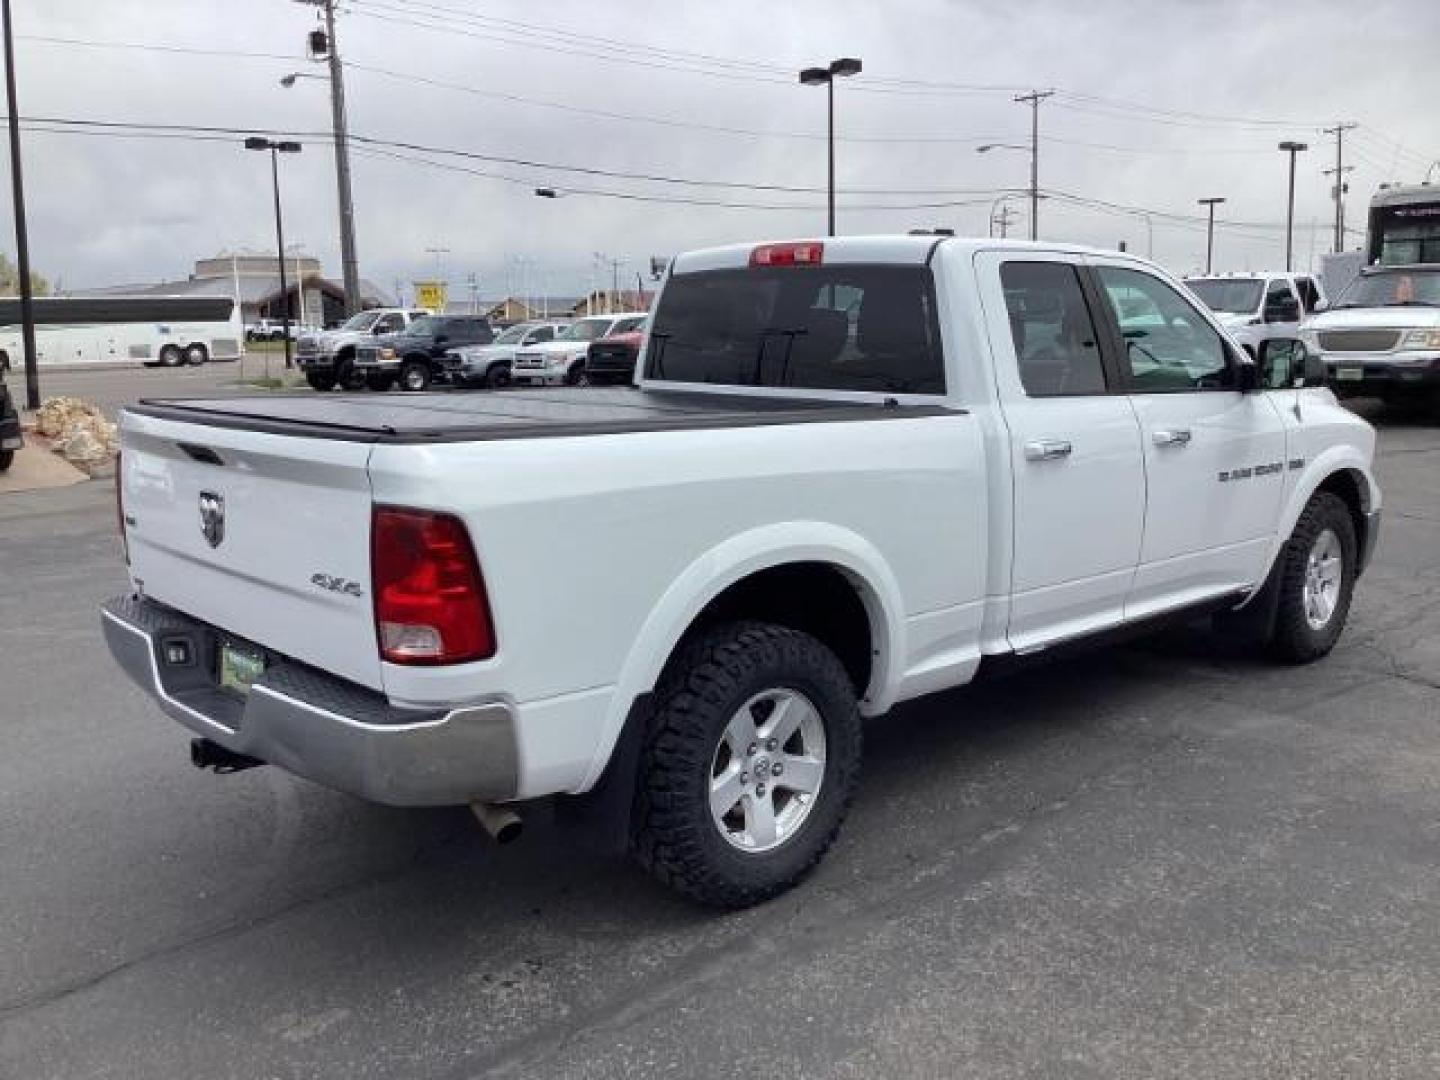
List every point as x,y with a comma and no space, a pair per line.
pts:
1260,306
563,359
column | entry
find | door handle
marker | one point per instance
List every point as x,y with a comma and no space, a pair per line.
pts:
1171,437
1047,449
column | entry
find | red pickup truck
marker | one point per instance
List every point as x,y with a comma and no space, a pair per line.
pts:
611,360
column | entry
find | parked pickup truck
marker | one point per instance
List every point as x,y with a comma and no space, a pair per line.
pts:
611,360
416,356
328,358
12,438
1381,338
856,471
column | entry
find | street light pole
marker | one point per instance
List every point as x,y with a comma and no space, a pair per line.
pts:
1210,204
22,237
1289,146
817,76
257,142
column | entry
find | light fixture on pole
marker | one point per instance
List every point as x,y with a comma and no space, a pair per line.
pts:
324,46
1289,146
1210,204
985,148
826,76
276,148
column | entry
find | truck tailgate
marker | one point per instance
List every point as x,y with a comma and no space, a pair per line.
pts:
285,559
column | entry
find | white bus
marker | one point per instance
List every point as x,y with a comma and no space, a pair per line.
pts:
79,331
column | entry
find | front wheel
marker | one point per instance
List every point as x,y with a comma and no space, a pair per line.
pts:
6,457
415,376
749,766
346,374
1317,577
498,376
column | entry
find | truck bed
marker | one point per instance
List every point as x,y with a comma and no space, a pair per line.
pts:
510,414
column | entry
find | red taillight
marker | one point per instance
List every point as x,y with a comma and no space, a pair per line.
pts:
430,602
120,507
808,253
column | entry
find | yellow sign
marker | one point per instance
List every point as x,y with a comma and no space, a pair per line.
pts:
430,295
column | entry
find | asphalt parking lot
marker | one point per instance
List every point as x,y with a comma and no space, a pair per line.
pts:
1166,860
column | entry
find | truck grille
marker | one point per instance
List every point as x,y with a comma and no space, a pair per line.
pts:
529,360
1370,341
367,354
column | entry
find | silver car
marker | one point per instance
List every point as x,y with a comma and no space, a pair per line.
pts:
489,365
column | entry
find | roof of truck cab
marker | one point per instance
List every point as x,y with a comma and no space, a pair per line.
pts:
898,248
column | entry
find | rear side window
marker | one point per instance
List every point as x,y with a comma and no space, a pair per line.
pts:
822,327
1056,345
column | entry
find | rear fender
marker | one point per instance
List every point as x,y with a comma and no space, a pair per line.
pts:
733,560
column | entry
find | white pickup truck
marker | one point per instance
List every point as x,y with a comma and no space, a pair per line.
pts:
854,472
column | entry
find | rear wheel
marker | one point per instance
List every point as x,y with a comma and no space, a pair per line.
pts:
379,380
320,380
196,354
171,356
415,375
749,766
6,457
1317,576
498,376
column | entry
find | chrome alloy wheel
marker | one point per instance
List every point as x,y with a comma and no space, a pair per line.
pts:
1323,569
767,770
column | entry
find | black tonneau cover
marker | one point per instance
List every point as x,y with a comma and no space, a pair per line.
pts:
509,414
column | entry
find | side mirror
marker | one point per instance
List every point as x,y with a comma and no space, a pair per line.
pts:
1286,362
1321,305
1284,311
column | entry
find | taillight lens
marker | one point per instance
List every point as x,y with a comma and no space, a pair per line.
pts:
430,602
120,506
809,253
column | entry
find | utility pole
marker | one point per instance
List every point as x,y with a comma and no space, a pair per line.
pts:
1033,99
1210,204
1340,170
1002,218
349,262
22,238
1289,146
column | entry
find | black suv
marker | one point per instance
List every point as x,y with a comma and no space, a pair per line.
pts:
415,357
10,437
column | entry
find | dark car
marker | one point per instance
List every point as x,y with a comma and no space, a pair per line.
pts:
611,360
10,437
416,357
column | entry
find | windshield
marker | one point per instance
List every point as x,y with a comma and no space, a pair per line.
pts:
513,336
361,321
844,327
1234,296
584,330
1396,288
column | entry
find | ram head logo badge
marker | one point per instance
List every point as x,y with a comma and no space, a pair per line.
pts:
212,517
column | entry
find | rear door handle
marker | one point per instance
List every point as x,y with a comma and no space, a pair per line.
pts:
1047,449
1171,437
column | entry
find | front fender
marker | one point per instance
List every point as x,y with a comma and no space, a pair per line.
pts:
733,560
1334,459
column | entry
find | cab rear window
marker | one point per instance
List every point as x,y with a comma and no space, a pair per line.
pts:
856,327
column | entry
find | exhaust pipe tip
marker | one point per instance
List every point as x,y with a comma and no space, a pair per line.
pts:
503,824
205,754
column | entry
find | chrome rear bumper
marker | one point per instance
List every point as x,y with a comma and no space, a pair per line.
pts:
318,726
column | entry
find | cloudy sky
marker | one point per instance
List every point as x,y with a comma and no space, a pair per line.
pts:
1158,103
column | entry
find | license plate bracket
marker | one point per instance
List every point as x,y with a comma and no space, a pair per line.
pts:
239,666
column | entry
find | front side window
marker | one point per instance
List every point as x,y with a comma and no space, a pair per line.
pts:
389,325
1168,344
826,327
1056,346
625,326
543,333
